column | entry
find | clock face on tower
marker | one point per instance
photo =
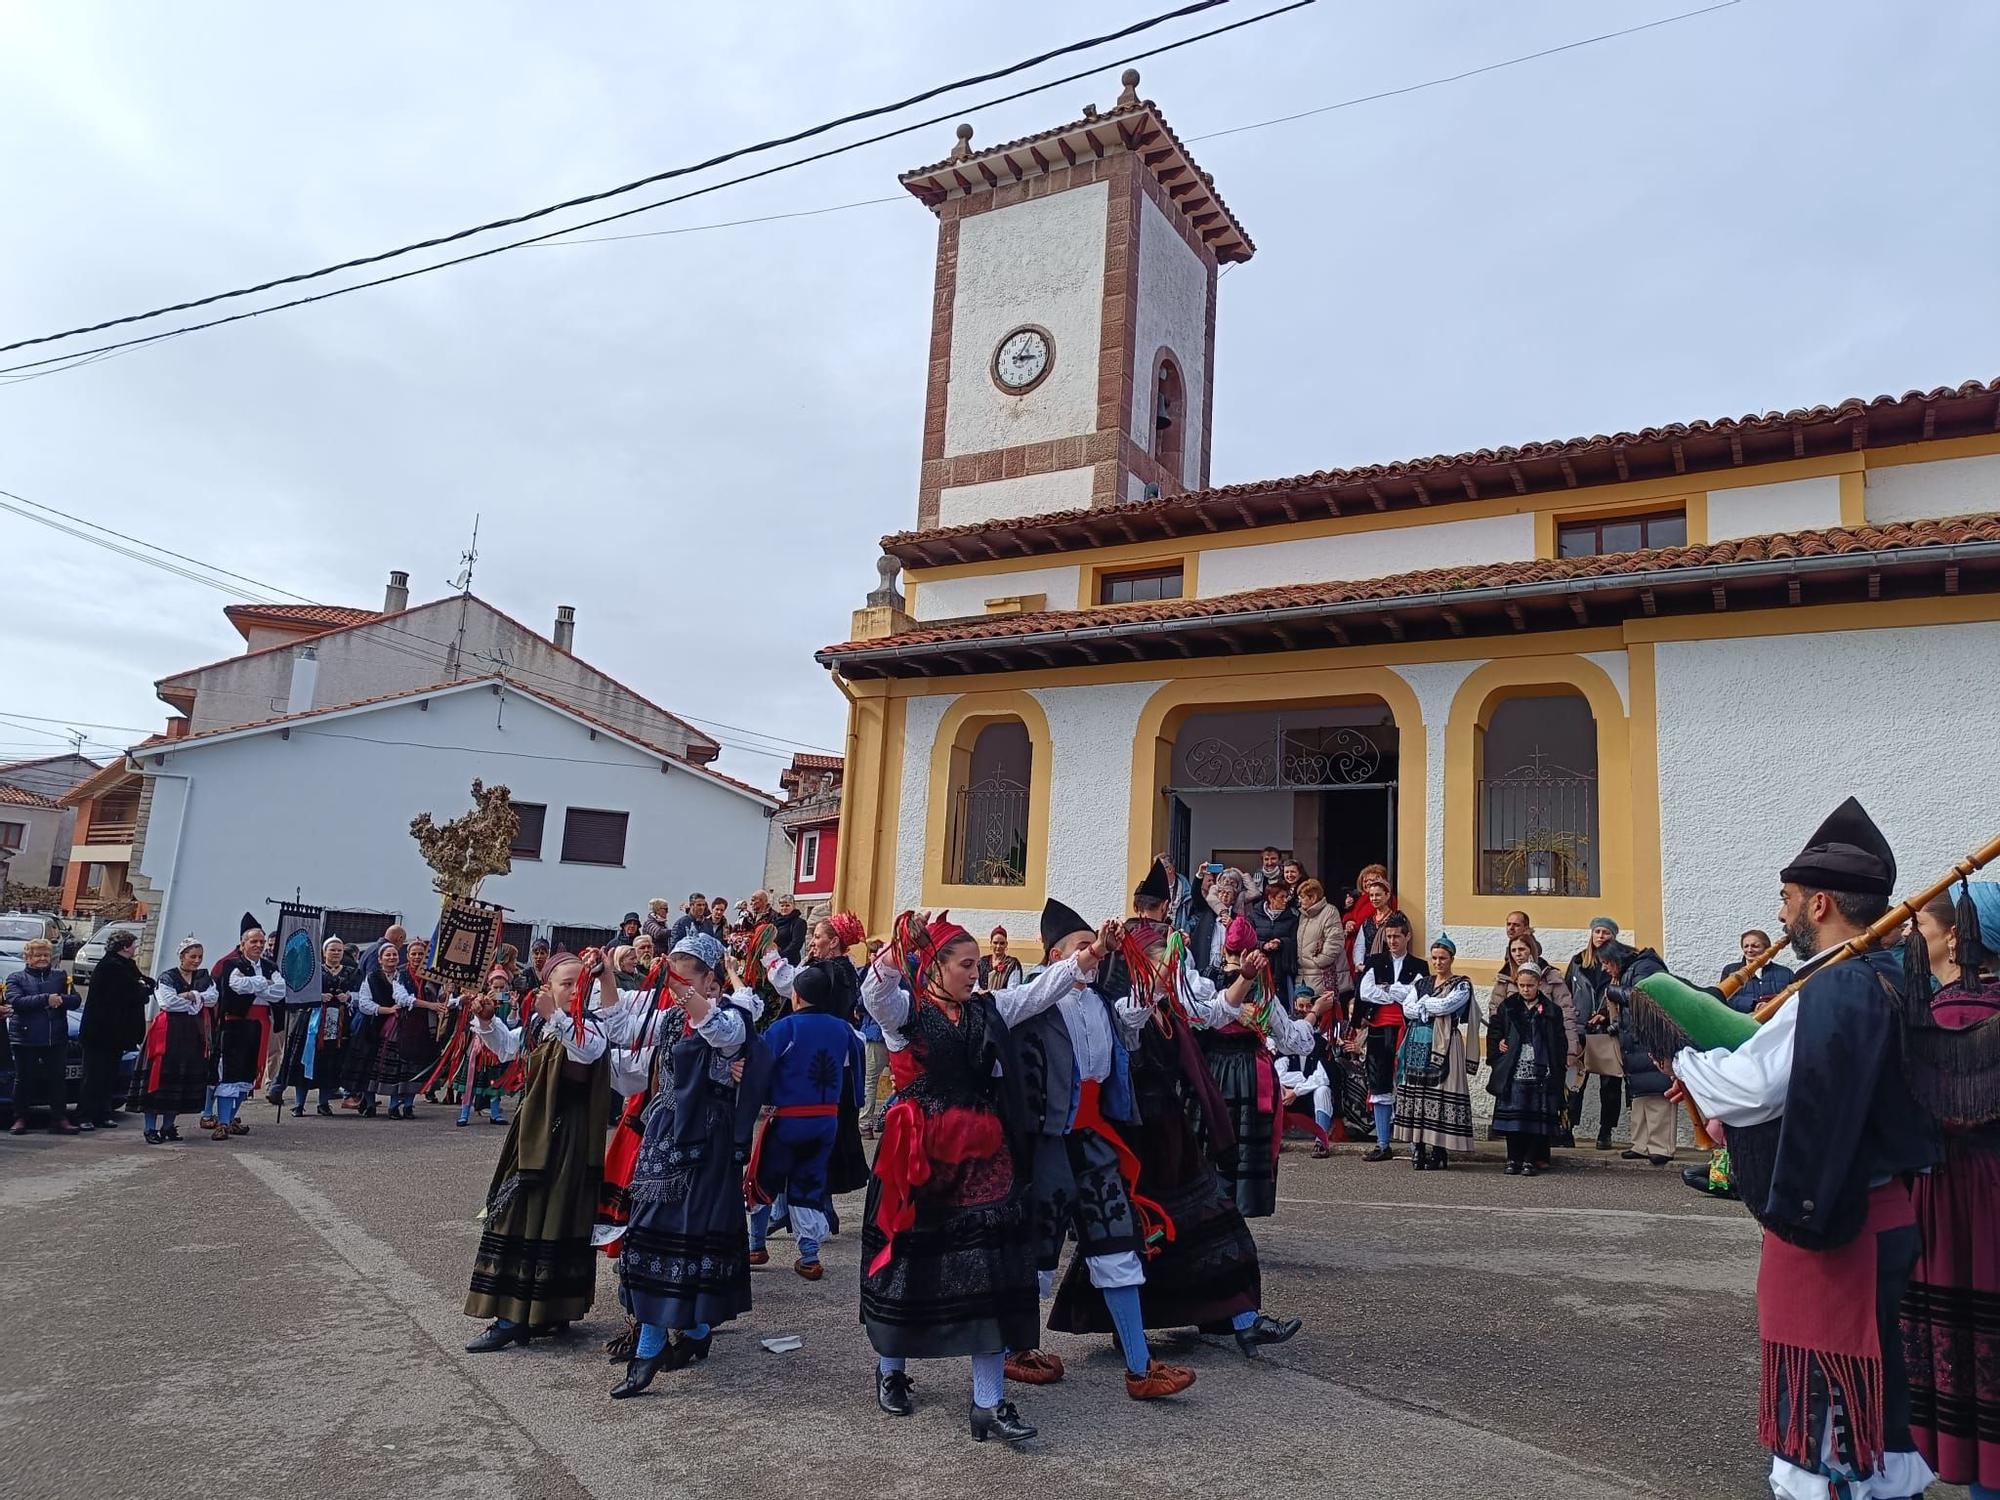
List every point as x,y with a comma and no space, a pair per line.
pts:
1022,359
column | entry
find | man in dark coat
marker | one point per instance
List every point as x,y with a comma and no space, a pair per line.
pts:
114,1023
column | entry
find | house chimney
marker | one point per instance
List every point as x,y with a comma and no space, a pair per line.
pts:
396,598
177,728
565,635
305,678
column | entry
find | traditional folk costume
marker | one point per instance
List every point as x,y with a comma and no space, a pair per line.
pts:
1527,1079
378,1003
947,1249
1076,1074
1387,983
1433,1102
173,1067
1825,1138
816,1067
1951,1311
483,1077
1232,1044
315,1037
243,1030
684,1260
1202,1271
535,1268
406,1047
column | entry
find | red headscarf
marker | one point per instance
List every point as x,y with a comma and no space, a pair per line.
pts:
847,928
1239,936
935,938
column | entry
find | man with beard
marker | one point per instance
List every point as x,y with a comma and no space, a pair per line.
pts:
1825,1136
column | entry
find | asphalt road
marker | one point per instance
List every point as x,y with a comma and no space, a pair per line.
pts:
280,1316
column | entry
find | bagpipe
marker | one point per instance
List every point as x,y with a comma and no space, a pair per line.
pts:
1668,1013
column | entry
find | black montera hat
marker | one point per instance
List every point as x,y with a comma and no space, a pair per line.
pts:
1846,853
1059,922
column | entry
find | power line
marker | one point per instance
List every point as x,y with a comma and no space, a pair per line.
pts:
654,234
727,182
1194,8
1493,67
156,547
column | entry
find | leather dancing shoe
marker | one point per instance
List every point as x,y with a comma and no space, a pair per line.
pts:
685,1350
1002,1422
1266,1330
812,1270
639,1374
760,1257
892,1392
1159,1380
1034,1367
623,1348
1380,1153
497,1337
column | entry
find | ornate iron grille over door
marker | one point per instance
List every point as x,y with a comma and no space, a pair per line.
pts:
989,833
1538,831
1313,759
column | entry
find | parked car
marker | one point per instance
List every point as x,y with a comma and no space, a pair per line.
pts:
128,1067
92,952
17,930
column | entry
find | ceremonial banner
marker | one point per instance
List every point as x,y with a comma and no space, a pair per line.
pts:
296,950
468,933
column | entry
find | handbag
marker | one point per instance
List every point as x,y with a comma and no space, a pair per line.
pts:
1603,1056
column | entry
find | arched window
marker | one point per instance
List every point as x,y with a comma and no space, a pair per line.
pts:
1537,781
987,837
1170,419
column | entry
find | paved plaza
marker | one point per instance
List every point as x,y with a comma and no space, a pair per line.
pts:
279,1316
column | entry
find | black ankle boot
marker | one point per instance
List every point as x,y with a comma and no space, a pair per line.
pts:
1002,1422
1420,1159
1440,1158
498,1337
1266,1330
892,1392
685,1351
639,1373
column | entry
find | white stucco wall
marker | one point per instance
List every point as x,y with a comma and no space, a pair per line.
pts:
238,821
1091,732
1028,495
1436,684
1761,509
1172,313
1367,554
1744,779
1039,261
1946,487
949,598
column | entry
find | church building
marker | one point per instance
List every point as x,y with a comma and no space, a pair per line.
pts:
1620,675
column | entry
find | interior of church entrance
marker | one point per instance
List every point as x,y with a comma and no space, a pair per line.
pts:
1318,781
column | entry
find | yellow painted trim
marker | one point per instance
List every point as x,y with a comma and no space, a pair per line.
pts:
1814,619
1601,498
1854,499
910,597
1649,905
1697,519
1937,450
864,864
1471,708
1208,668
956,731
1091,572
1161,719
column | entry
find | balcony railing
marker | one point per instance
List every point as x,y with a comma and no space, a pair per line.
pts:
109,833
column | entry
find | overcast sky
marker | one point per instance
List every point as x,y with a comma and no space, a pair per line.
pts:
696,439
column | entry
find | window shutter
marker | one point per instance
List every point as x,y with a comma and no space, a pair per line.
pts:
593,837
528,841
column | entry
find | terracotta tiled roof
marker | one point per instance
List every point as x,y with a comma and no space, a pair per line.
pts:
1679,448
298,616
168,691
14,796
1433,590
1138,126
162,743
805,761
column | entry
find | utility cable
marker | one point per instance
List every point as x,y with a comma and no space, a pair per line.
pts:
877,111
727,182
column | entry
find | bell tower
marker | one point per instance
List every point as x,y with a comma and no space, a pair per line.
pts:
1072,356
